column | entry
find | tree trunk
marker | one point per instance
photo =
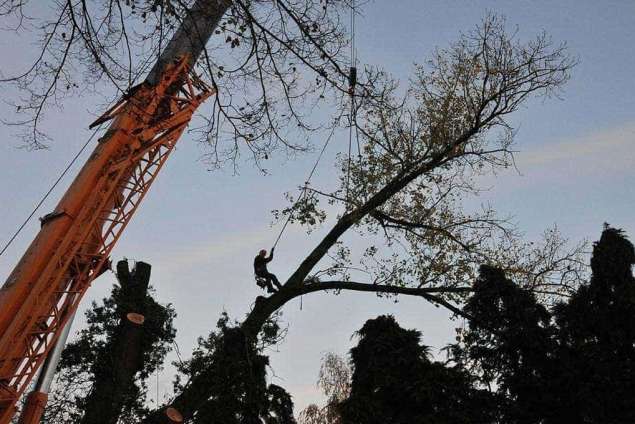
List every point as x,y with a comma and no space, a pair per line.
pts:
105,402
190,39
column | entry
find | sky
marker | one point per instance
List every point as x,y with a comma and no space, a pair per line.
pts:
200,230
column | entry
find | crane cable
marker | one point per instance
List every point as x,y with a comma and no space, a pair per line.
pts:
39,204
352,82
141,69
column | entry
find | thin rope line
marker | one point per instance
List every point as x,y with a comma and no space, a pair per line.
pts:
72,162
353,111
354,59
306,184
348,167
353,49
359,150
350,137
315,165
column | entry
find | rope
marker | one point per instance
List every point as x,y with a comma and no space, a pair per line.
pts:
348,166
141,69
352,82
353,58
354,64
37,206
306,185
284,227
351,92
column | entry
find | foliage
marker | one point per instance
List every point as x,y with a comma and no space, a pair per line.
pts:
420,156
88,358
335,382
575,363
271,62
232,371
391,379
517,362
597,334
510,345
395,381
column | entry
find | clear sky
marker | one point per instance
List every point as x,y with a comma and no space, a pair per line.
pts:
200,230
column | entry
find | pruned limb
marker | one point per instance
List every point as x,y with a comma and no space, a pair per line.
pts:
105,402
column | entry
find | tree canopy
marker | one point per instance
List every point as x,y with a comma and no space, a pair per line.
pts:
570,363
517,361
270,62
420,155
395,381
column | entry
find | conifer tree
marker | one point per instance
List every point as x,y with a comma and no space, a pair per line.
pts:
597,333
394,381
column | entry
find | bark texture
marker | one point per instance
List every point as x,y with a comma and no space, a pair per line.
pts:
192,35
105,402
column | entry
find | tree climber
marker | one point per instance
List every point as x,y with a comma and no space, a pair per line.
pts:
262,274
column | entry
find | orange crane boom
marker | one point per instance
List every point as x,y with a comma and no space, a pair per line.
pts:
74,243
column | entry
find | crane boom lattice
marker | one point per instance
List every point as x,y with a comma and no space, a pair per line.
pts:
75,241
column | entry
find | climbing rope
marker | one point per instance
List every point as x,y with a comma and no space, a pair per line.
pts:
307,182
352,82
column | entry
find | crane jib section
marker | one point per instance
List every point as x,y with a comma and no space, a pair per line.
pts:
74,243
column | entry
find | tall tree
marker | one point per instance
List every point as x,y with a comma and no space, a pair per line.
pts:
394,381
597,333
575,363
511,347
419,157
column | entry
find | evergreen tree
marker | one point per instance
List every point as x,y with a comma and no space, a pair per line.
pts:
394,381
575,363
234,371
597,333
509,346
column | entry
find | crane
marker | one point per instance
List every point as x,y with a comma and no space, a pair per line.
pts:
73,245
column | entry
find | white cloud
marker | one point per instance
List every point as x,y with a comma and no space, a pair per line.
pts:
606,152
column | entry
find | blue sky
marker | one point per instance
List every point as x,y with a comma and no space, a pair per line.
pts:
200,229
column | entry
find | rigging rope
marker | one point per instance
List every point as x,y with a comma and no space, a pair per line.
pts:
353,58
37,206
142,69
348,166
352,80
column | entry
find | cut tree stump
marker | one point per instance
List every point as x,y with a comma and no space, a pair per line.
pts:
125,353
